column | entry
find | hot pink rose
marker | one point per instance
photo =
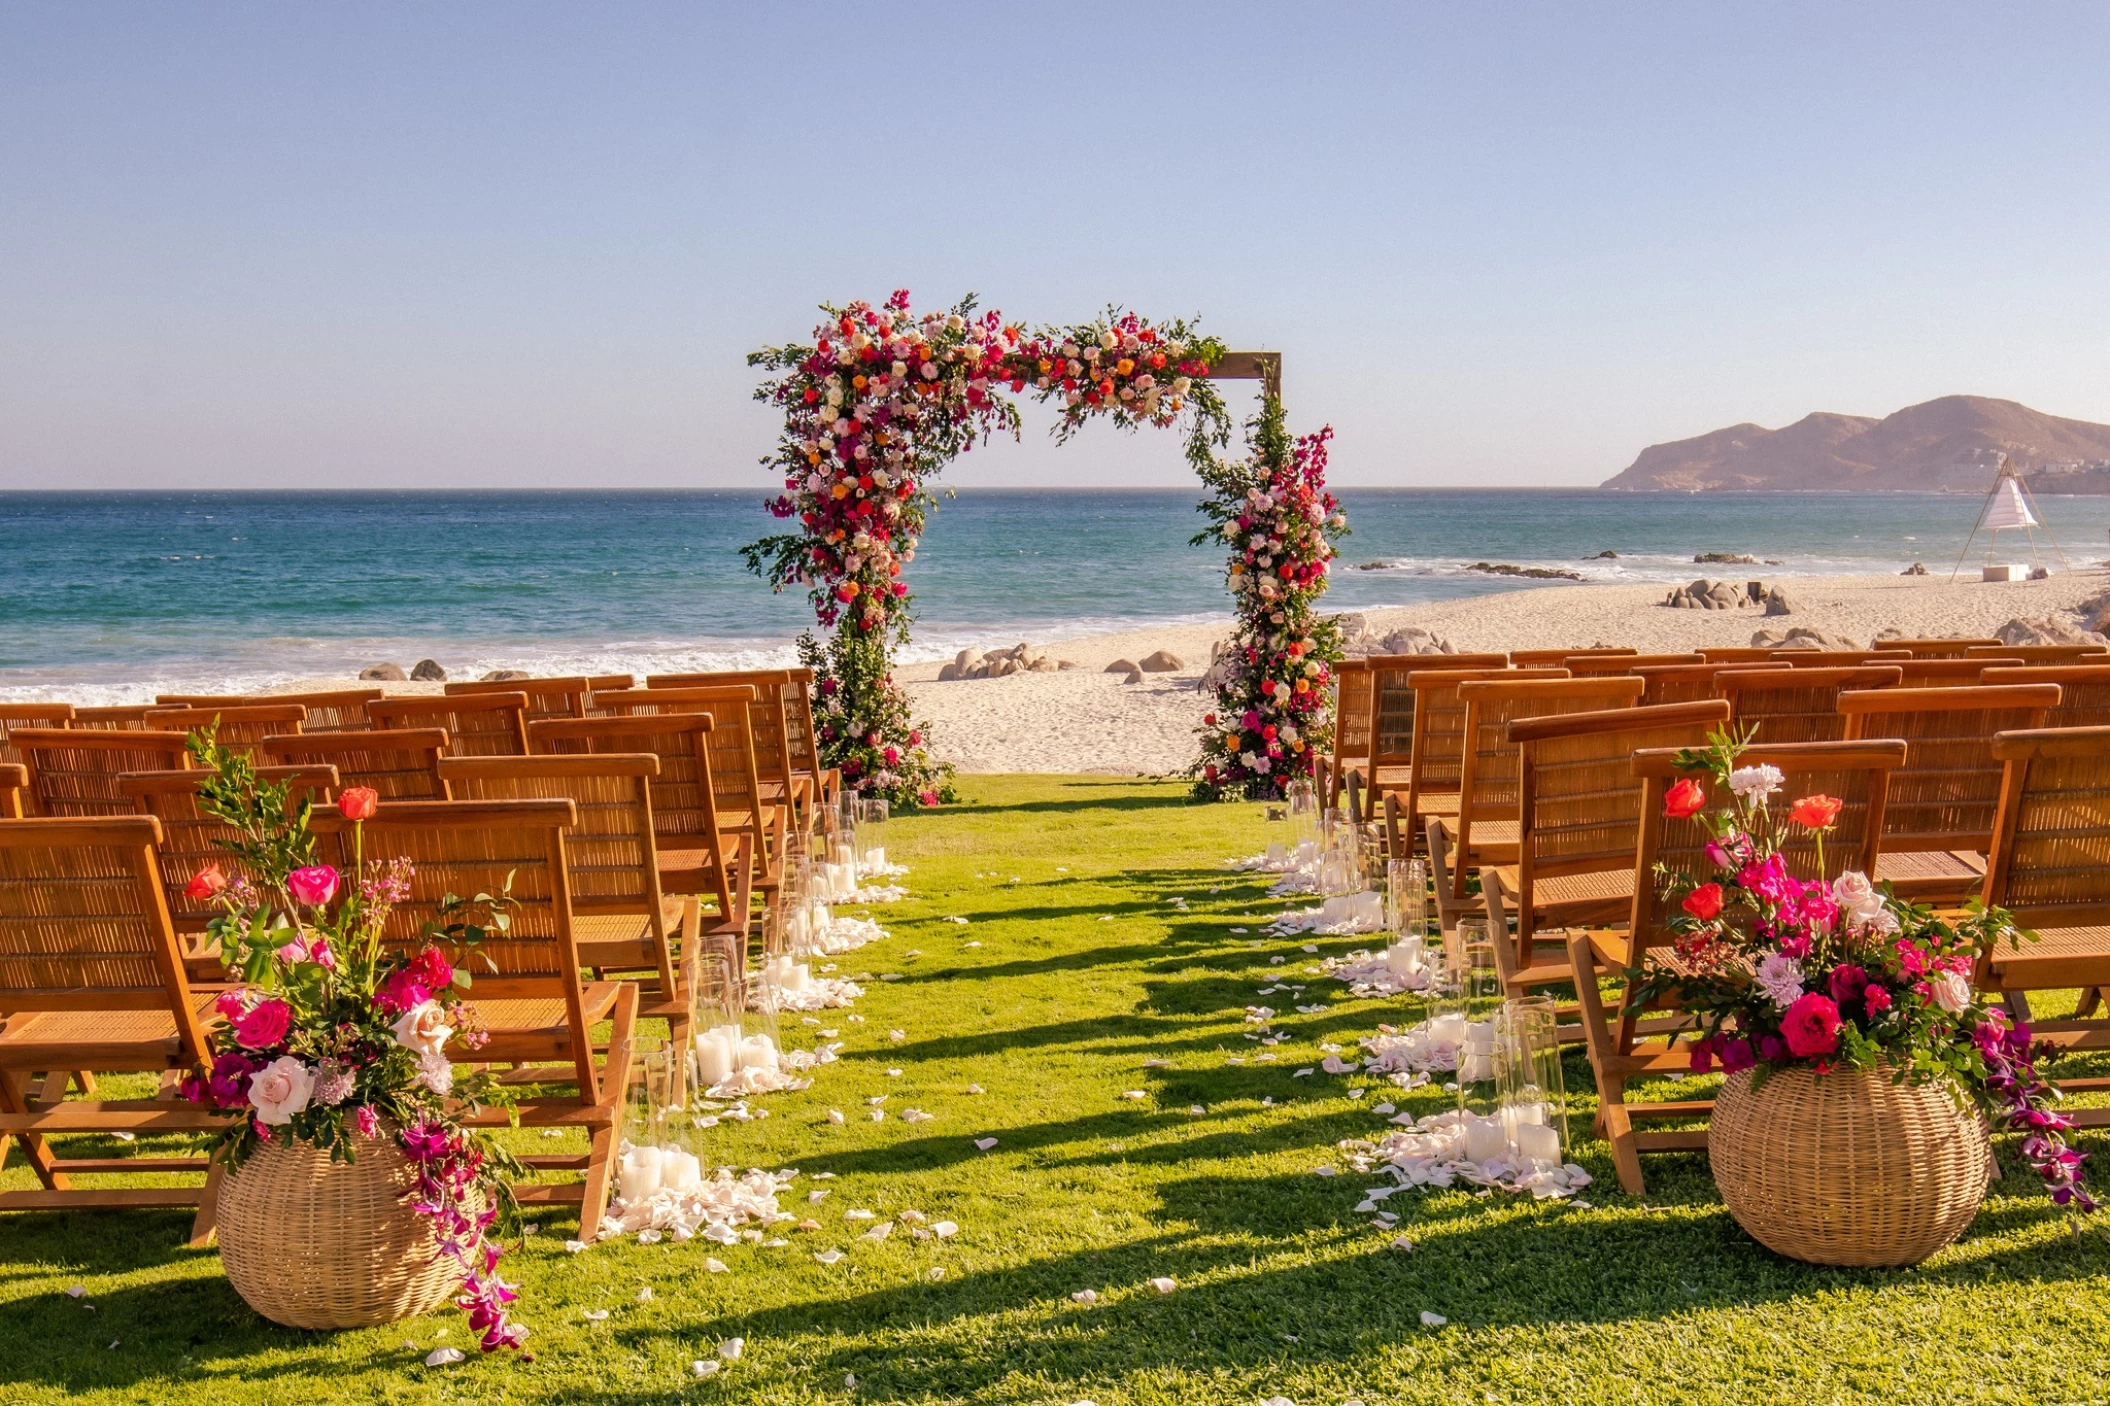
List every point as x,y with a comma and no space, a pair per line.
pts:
1811,1026
313,886
263,1025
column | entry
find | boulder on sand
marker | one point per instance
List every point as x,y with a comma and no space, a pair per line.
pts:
1122,666
428,671
1162,661
1134,676
2045,629
1705,595
948,673
1801,637
1777,602
506,675
383,673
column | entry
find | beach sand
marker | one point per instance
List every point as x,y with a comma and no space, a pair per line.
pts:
1085,720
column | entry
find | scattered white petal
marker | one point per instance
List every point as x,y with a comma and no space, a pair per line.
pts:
1087,1297
1386,1108
1062,868
893,1074
714,1265
553,1132
859,1214
649,1236
1238,929
1310,948
878,1232
1302,1073
1325,1171
835,1115
897,1035
1164,1284
961,921
1132,1093
704,1367
1107,919
438,1357
879,1115
77,1290
830,1034
944,1230
890,976
1581,1205
1432,1320
876,1099
1403,1244
983,1144
731,1349
595,1315
916,1115
1157,1064
829,1256
644,1295
969,946
775,1243
1274,961
935,1273
974,1088
573,1247
819,1195
1357,1093
1268,1102
126,1137
849,1381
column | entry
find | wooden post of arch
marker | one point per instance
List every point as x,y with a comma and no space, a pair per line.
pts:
1264,367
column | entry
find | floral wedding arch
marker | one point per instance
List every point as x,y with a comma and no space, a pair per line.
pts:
884,398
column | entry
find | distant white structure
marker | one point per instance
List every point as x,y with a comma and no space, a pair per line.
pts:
2009,506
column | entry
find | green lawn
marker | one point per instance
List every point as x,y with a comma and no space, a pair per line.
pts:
1282,1289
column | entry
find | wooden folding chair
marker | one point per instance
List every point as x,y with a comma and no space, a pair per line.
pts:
399,764
1437,761
1596,665
1621,1048
329,710
73,771
2050,868
1737,654
1558,658
476,724
529,999
1578,825
14,790
239,726
1810,657
2084,690
1391,748
804,742
1485,832
783,726
696,854
621,919
120,717
546,698
1797,705
1948,672
1352,712
91,977
190,839
2042,653
39,716
606,683
1938,648
747,804
1676,683
1938,824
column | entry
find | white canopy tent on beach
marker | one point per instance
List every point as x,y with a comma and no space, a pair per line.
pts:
2009,506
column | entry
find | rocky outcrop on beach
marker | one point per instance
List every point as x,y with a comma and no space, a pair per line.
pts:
2047,629
1529,573
383,673
1951,444
1358,640
1801,637
1002,663
427,671
1706,595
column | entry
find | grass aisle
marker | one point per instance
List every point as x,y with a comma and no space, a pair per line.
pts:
1083,971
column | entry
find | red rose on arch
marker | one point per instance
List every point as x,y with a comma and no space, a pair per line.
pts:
1815,812
1704,902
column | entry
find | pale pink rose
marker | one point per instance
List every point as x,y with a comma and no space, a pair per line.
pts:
423,1028
281,1089
1952,990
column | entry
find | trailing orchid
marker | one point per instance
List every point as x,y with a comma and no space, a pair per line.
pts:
1782,971
874,408
333,1036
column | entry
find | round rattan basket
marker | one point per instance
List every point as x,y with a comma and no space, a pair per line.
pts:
1847,1168
312,1243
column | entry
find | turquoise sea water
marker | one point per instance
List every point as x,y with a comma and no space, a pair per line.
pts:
105,596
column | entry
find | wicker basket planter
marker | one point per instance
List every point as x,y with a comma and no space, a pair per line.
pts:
1849,1168
312,1243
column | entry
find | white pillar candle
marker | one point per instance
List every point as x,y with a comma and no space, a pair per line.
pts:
1448,1029
1370,909
679,1170
717,1054
1403,958
877,859
758,1052
821,916
639,1173
1484,1138
1537,1143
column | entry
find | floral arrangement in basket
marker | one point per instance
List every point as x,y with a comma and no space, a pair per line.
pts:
333,1034
1781,971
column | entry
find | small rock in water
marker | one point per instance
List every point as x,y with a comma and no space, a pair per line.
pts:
384,673
428,671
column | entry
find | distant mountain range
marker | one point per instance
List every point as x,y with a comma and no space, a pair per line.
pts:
1951,444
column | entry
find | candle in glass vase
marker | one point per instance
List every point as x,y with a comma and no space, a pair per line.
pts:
679,1170
1277,855
1477,1061
1484,1138
717,1054
1537,1143
876,862
758,1052
1403,958
1448,1029
638,1175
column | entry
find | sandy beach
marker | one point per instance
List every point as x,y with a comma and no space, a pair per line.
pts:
1086,720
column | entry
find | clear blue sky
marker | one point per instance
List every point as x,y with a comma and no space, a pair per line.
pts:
528,244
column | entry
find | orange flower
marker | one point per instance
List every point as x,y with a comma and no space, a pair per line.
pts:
207,882
1815,812
358,802
1704,902
1684,799
842,490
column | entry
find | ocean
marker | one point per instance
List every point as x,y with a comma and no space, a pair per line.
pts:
106,597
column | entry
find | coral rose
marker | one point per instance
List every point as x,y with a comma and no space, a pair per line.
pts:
205,883
1705,902
358,802
1685,799
1815,812
1811,1026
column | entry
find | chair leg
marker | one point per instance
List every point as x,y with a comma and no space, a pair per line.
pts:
204,1227
14,1098
615,1080
1439,842
1392,845
1612,1119
1498,928
2090,1002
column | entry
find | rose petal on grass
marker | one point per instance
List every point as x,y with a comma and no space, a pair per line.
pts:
1432,1320
829,1256
438,1357
945,1230
983,1144
704,1367
595,1315
1087,1297
731,1349
1132,1093
713,1265
935,1273
835,1115
974,1088
1164,1284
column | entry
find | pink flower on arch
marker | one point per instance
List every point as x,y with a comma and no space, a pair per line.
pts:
1811,1026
